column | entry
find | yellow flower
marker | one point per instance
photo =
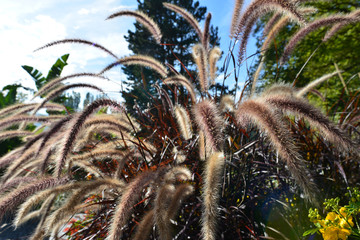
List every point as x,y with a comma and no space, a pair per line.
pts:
345,224
343,212
331,216
330,233
335,233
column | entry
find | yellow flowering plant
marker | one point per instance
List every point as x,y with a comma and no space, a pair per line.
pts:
340,222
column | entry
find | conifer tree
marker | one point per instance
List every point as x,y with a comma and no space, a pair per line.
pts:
178,37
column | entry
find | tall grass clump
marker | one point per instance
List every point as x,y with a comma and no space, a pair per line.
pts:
210,168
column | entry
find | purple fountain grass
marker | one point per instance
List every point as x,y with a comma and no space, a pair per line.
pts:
10,157
75,128
69,207
201,59
34,214
179,79
187,16
337,27
145,226
99,154
48,106
7,122
177,173
57,91
279,89
16,163
303,32
81,41
304,109
206,33
258,8
53,83
11,134
55,128
109,120
143,19
259,113
183,120
162,202
14,183
172,68
17,196
214,56
227,103
236,17
246,24
301,92
271,22
209,121
139,60
211,194
126,202
182,191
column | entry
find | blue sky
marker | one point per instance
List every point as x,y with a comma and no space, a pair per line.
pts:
27,25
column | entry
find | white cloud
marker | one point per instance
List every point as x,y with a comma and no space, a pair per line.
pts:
83,11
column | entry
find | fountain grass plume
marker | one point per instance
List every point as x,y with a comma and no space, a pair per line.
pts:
227,103
201,59
16,163
245,30
303,32
145,226
179,79
206,33
279,89
99,154
258,8
81,41
13,183
139,60
61,188
126,202
270,23
55,128
53,83
88,167
259,113
7,122
143,19
162,202
337,27
187,16
304,109
211,194
13,199
75,128
69,208
182,191
110,120
301,92
34,214
208,119
10,157
236,17
183,121
57,91
15,133
214,56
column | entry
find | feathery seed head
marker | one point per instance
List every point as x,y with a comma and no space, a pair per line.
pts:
208,119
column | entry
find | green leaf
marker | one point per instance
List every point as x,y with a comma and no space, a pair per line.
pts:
310,232
57,68
36,75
